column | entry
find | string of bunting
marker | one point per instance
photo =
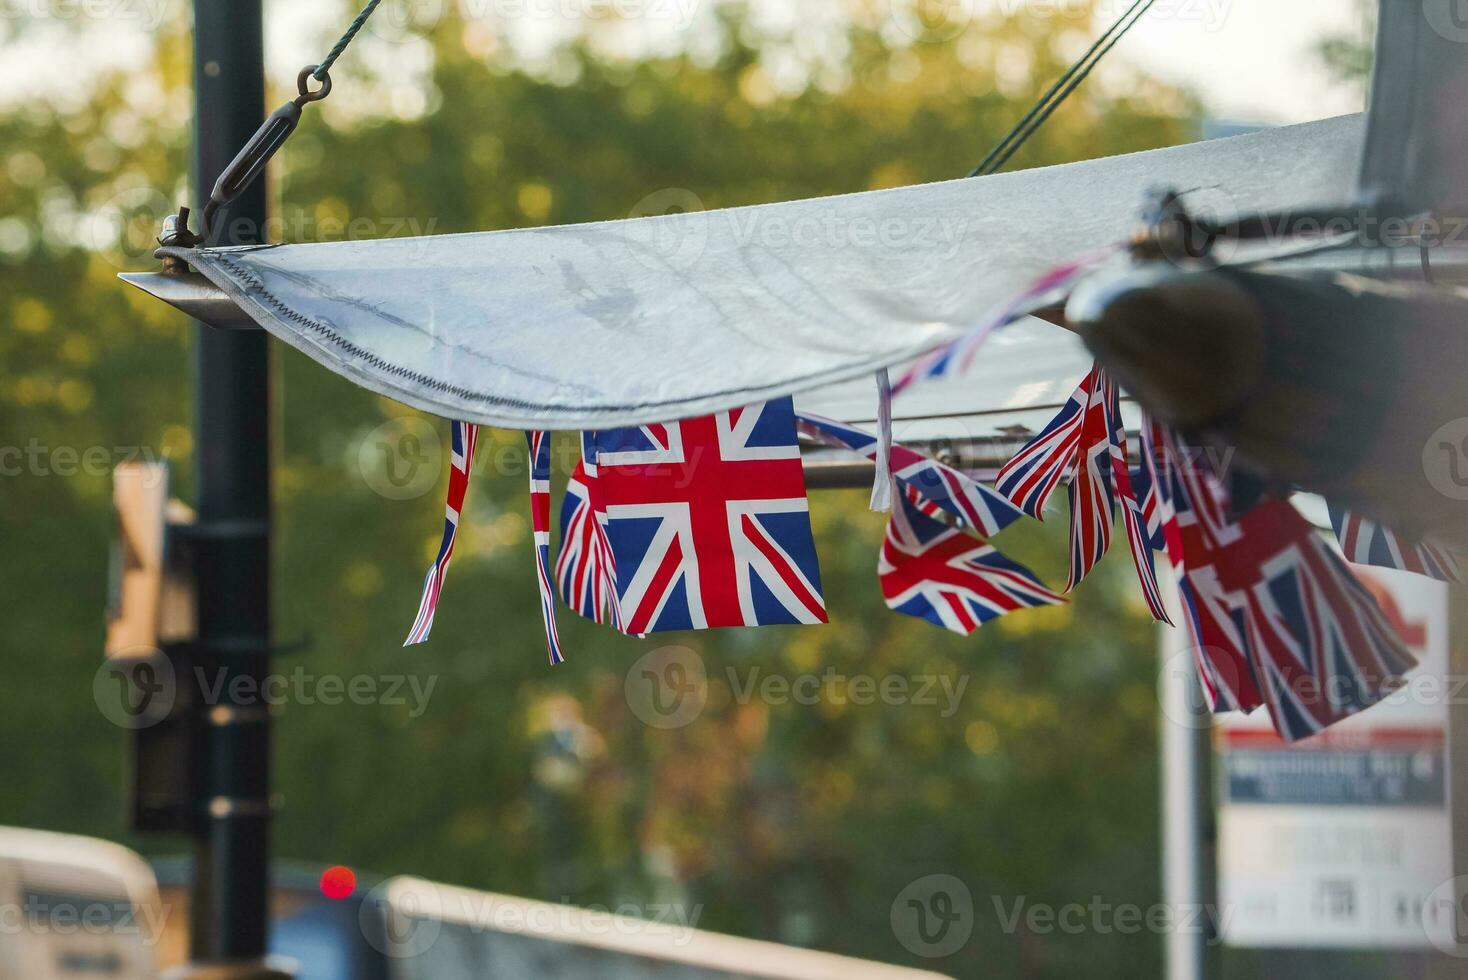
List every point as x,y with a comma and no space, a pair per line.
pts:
704,523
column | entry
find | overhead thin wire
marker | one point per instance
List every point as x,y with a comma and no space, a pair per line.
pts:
341,44
1074,84
1061,90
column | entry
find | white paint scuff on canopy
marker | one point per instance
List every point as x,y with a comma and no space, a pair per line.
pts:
652,319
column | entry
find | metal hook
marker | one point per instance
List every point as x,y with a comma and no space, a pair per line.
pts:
303,86
245,167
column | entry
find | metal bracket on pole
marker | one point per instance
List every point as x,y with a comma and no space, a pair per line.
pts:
191,293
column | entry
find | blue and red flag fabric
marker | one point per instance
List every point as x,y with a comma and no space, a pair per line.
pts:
1196,528
1092,495
1153,481
928,568
1367,543
926,506
1277,617
585,572
1085,444
942,574
1143,532
707,521
1150,505
539,445
1048,460
463,437
1321,646
968,501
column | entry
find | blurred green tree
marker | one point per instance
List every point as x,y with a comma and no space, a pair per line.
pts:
793,822
1348,54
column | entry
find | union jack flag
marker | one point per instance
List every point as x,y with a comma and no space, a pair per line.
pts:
1368,543
939,573
970,502
708,521
1149,500
463,436
1092,495
1140,532
539,444
1319,641
585,572
1047,460
926,506
1196,529
1277,616
1153,481
1086,443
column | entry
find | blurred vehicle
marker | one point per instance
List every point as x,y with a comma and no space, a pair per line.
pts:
324,937
405,928
75,907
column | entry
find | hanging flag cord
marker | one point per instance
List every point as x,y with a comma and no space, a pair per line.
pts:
1061,90
250,162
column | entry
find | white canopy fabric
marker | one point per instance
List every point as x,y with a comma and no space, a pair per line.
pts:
652,319
1023,376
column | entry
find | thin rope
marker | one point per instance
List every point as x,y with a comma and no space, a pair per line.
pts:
341,44
1035,110
1061,90
1074,84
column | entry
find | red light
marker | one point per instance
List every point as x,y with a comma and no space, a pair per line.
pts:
338,882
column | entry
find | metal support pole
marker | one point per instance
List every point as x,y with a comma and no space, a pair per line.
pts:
1183,718
1450,964
229,921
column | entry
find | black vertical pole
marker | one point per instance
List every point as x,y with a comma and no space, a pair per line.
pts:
229,913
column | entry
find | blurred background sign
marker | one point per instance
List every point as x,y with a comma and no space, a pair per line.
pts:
1339,841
